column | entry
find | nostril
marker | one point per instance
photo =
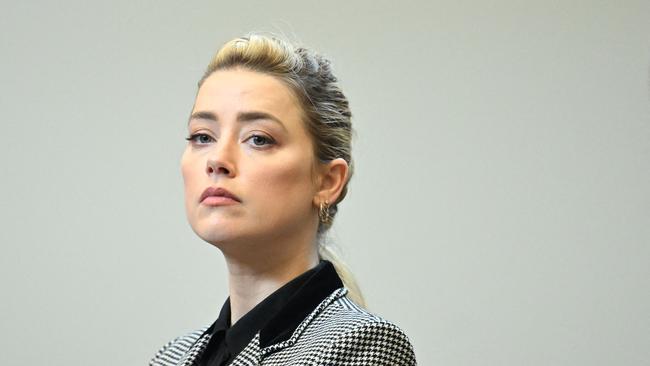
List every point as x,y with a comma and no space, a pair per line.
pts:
219,168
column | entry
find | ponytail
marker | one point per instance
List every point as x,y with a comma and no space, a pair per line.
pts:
354,292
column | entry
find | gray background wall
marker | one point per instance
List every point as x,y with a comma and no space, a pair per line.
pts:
500,212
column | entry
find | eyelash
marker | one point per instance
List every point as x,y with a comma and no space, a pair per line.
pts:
268,140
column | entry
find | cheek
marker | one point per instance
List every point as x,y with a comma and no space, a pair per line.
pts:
285,182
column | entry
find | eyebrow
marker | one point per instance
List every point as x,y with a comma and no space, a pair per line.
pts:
248,116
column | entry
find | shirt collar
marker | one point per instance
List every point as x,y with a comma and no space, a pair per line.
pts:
318,284
279,314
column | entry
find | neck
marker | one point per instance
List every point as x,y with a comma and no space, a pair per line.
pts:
256,270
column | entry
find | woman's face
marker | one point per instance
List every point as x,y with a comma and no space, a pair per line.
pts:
248,138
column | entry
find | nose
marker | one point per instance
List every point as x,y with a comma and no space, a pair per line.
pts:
222,160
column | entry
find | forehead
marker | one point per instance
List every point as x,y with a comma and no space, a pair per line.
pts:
227,92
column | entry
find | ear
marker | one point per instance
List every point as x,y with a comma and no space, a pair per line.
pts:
331,180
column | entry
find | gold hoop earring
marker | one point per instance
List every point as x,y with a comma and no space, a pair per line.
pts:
324,213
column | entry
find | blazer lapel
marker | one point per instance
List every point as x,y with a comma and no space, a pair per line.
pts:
303,325
252,354
197,348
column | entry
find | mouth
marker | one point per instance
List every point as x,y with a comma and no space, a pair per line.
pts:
215,196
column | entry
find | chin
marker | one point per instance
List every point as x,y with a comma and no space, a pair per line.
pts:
213,227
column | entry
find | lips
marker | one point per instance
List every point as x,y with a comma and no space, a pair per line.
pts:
217,192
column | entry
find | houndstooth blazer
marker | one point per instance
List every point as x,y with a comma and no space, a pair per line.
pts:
337,332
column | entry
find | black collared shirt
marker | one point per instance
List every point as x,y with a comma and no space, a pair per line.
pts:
276,317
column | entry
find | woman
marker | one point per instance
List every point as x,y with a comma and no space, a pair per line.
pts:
267,161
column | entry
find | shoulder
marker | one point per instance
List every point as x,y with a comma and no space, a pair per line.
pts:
359,337
173,351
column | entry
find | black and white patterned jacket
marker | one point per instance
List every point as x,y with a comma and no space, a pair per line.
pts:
337,332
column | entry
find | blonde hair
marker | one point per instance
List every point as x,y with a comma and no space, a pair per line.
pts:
326,109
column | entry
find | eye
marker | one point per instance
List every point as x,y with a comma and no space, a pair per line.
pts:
260,140
202,137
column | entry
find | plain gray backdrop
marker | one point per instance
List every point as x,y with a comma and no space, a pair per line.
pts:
499,213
